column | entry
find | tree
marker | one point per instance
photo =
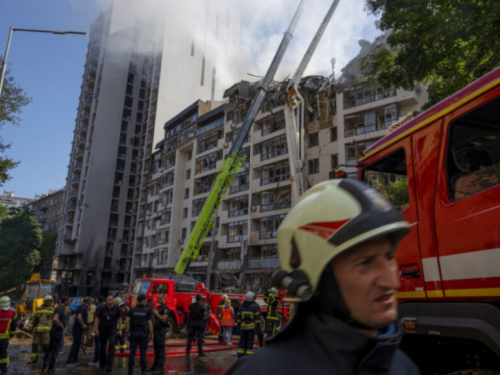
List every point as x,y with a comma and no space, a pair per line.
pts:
446,43
20,237
47,251
12,99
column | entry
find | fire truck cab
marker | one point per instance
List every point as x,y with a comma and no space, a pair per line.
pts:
442,169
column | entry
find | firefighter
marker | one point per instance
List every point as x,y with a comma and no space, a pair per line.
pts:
8,326
337,253
220,306
258,330
160,330
248,320
120,340
40,326
196,323
272,317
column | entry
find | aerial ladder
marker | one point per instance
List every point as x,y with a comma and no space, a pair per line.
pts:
235,158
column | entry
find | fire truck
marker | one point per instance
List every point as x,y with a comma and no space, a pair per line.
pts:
180,291
442,169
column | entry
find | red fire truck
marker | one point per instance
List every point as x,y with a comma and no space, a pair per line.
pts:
442,169
180,291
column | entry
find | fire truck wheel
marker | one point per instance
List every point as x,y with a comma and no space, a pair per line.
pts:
172,327
281,323
475,372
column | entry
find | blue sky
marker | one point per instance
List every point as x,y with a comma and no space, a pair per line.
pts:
49,68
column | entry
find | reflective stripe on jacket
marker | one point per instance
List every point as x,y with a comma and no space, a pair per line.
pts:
227,319
272,307
248,315
7,327
44,315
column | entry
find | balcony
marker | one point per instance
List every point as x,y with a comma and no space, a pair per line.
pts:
236,238
237,213
82,129
228,265
73,195
44,208
238,188
263,263
266,235
80,142
79,155
77,167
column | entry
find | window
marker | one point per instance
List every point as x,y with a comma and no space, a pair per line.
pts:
237,231
167,180
184,212
204,184
389,176
313,140
186,193
165,216
208,162
273,124
272,148
313,166
202,129
275,200
238,206
208,141
269,226
473,158
333,134
240,183
183,233
365,93
188,174
335,161
367,122
197,206
354,151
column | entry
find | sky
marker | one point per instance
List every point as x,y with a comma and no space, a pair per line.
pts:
49,67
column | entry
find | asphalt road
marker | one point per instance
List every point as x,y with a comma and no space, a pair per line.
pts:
214,363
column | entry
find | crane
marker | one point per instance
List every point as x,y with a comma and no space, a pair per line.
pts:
235,158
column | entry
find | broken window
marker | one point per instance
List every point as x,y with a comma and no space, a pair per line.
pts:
273,123
197,206
313,140
268,227
275,200
275,172
367,122
208,162
170,144
208,141
272,148
167,180
240,183
204,184
188,133
237,231
365,93
238,206
354,151
169,161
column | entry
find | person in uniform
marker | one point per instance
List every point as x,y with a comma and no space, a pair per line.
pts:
248,320
272,316
40,327
120,340
105,322
8,326
220,306
138,328
89,338
160,331
79,328
59,321
337,249
100,301
196,323
227,321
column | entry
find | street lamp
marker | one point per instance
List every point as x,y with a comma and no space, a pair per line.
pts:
12,29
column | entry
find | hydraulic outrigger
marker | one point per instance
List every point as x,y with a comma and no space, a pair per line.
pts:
235,158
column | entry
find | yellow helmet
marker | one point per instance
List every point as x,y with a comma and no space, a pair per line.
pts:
328,219
48,298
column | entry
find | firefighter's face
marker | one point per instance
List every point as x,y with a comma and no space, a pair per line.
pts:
368,280
109,301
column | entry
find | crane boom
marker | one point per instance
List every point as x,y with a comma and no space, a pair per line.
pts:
234,159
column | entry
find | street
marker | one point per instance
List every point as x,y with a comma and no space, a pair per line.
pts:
213,363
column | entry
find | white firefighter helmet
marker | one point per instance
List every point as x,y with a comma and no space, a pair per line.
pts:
328,219
224,297
118,301
250,296
274,291
48,297
4,302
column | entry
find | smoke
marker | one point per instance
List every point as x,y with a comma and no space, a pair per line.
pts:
262,24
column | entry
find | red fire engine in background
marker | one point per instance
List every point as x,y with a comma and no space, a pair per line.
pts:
180,291
442,169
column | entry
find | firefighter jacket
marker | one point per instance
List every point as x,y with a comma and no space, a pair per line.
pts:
272,308
43,319
314,343
227,319
123,313
8,323
220,306
248,316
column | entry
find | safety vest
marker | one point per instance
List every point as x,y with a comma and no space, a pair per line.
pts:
6,326
227,317
44,315
272,308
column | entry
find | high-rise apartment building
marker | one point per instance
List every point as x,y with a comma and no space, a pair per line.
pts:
140,72
342,118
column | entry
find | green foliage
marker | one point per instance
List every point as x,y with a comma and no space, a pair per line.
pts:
396,192
20,237
446,43
4,210
47,251
12,99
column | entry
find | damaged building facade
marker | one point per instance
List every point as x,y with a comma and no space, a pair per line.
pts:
342,117
129,90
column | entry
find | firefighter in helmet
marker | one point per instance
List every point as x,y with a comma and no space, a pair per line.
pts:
40,326
8,326
248,321
337,253
220,306
272,316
